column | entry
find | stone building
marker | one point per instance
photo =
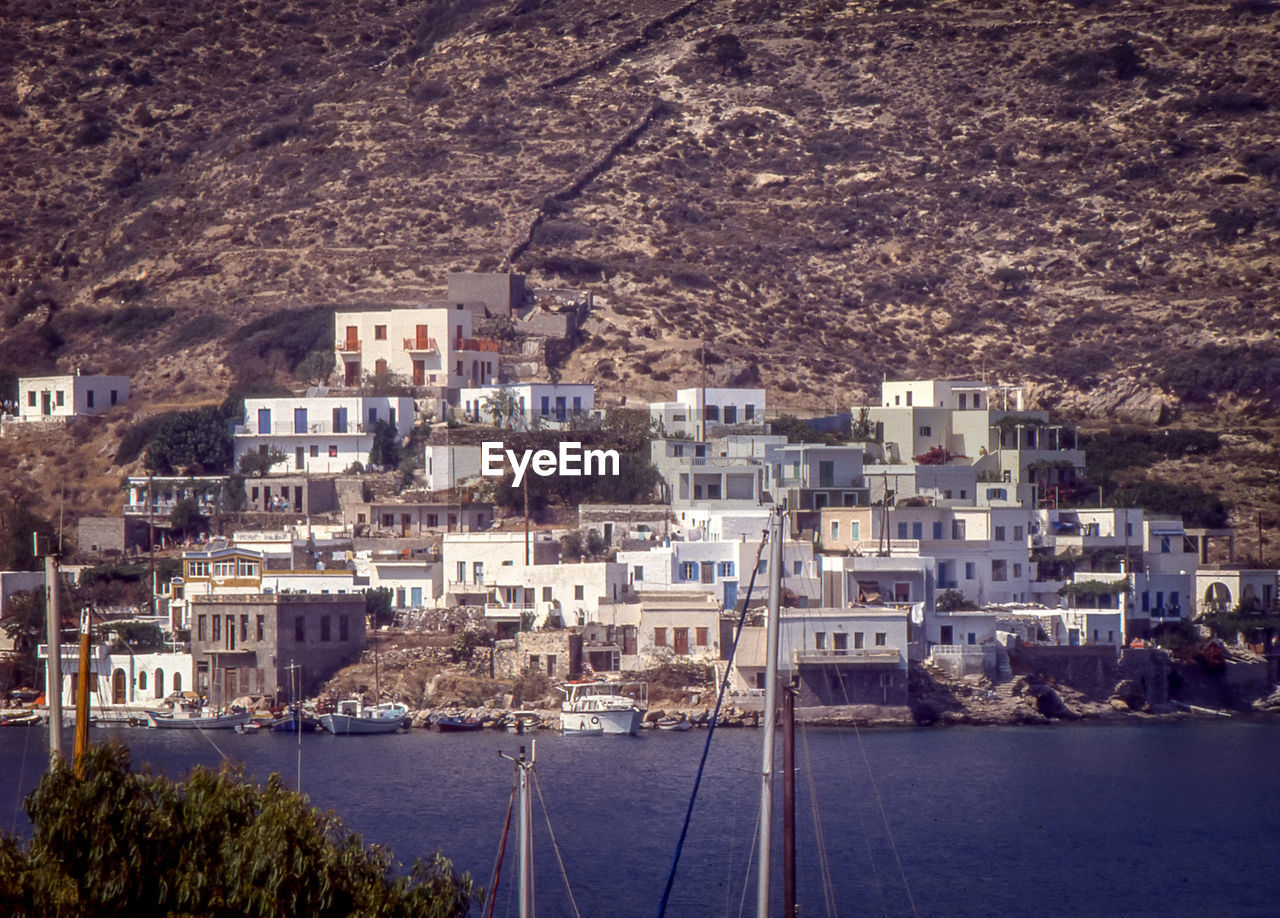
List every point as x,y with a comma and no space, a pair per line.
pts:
244,644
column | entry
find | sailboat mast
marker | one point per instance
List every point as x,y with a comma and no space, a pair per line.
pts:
526,839
82,698
53,681
770,707
789,798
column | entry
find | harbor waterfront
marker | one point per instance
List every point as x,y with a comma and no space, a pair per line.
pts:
1117,819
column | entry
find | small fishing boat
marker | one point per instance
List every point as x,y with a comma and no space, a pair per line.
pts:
594,707
24,719
671,722
187,717
297,720
522,721
458,723
352,717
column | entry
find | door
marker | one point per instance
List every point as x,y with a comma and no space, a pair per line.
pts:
339,420
46,404
946,634
118,683
299,420
353,338
299,458
730,594
708,572
681,640
419,372
351,373
297,497
415,597
422,338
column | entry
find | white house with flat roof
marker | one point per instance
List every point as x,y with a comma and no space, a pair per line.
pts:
536,404
49,398
697,411
318,434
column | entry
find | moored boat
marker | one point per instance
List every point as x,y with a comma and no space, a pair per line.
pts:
671,722
185,718
522,721
458,723
593,708
353,717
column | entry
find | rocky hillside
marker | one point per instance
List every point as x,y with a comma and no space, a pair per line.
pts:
1080,194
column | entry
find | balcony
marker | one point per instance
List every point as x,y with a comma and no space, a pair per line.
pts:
347,346
488,345
288,429
882,656
421,346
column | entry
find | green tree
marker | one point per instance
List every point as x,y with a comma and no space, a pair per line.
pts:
385,451
258,465
503,409
25,626
377,607
17,523
194,442
186,517
119,843
316,367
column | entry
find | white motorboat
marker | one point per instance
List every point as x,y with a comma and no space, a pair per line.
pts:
594,708
353,716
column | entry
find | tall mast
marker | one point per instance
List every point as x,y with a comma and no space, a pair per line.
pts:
770,707
82,697
53,681
523,768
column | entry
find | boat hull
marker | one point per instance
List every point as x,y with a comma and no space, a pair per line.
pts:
346,725
457,725
594,723
223,722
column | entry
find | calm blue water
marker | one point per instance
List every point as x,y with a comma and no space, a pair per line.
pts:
1159,820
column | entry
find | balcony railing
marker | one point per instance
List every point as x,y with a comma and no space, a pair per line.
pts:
902,546
288,429
856,655
421,345
480,344
347,345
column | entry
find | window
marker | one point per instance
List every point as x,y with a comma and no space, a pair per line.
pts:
659,637
89,404
379,333
244,628
1164,545
477,571
713,412
315,451
326,632
637,573
730,414
262,627
999,570
200,635
857,640
216,634
1017,533
854,529
835,530
917,531
344,628
926,431
749,412
1017,569
333,451
58,398
725,569
688,570
763,566
31,399
972,637
970,571
546,594
579,591
700,636
999,533
936,532
797,567
820,640
840,641
142,676
881,638
300,629
902,530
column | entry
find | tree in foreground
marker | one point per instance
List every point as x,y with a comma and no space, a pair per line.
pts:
119,843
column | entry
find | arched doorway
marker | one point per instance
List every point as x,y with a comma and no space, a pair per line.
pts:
177,682
159,683
1217,597
142,681
118,684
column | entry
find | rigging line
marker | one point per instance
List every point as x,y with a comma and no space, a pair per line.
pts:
555,845
502,850
711,729
751,858
884,816
824,865
22,774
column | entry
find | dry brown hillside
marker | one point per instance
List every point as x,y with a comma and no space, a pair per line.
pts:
1079,194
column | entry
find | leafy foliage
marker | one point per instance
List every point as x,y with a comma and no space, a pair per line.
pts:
377,606
191,440
280,342
385,451
258,465
953,601
798,430
1195,506
1247,370
25,626
119,843
17,522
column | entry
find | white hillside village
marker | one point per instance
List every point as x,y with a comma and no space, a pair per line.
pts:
439,483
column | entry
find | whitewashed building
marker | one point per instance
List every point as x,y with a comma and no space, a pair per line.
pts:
45,398
318,434
549,405
698,411
448,465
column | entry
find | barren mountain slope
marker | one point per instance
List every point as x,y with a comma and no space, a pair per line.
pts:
1079,194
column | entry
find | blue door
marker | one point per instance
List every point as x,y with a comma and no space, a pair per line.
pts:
299,420
415,595
730,594
264,420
